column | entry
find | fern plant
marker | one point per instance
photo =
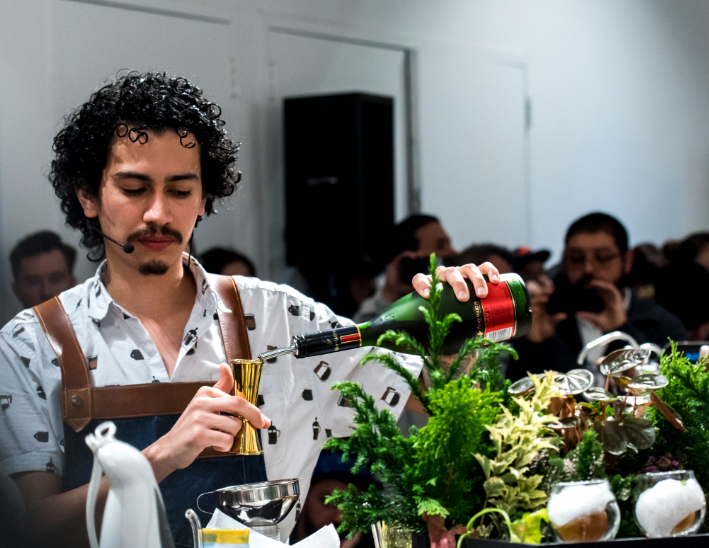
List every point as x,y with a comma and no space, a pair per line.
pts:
433,472
687,394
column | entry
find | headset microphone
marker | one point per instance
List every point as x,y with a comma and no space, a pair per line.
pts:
127,248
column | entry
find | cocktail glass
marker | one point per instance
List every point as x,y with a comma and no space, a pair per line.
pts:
669,504
583,511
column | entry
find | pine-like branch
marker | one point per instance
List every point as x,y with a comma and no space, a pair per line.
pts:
391,363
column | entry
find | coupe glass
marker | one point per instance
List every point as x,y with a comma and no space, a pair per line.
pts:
669,504
583,511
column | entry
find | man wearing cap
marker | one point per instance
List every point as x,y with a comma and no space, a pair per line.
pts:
588,299
529,264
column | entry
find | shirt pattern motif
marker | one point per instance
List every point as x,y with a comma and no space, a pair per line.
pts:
294,394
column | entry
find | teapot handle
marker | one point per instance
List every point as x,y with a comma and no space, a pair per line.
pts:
91,497
104,434
199,497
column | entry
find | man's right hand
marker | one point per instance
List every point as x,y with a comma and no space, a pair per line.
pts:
543,323
203,424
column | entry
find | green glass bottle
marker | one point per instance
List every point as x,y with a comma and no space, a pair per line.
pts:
503,315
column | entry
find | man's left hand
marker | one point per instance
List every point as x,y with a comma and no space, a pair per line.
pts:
456,275
614,314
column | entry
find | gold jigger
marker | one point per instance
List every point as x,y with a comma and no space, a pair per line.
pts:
247,375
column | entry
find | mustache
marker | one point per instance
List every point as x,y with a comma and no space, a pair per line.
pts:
154,230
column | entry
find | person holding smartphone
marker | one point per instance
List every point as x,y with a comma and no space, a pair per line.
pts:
587,299
411,243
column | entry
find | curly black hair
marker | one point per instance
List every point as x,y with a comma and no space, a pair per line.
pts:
128,106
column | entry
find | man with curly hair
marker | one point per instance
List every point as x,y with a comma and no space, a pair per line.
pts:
146,340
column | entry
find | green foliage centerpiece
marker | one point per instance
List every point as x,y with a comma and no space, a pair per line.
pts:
493,450
460,462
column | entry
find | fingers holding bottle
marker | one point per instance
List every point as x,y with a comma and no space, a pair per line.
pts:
456,276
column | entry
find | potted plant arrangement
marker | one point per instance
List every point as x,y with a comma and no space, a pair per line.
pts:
547,458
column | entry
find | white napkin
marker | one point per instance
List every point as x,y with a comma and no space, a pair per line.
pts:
326,537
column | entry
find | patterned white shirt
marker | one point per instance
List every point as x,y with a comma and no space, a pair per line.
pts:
294,394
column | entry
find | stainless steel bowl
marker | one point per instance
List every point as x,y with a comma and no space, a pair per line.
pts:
260,506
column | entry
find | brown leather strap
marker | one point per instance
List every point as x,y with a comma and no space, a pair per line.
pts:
144,400
234,335
81,403
232,324
76,397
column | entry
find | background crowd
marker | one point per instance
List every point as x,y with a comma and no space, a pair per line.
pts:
599,285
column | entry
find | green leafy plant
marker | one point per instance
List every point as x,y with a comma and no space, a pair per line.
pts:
494,451
433,474
517,440
586,461
686,398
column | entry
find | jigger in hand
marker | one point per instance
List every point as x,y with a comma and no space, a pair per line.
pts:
247,375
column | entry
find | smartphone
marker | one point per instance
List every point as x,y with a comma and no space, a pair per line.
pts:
572,299
690,349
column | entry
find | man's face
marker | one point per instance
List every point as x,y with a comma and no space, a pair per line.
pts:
42,277
596,256
433,239
150,195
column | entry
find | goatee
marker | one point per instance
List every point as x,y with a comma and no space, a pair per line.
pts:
153,268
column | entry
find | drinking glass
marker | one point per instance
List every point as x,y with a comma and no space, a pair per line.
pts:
583,511
669,504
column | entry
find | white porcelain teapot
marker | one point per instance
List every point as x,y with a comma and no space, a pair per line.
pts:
134,516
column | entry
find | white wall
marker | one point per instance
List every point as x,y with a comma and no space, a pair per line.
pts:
619,94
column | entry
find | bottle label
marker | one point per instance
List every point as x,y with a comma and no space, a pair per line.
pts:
353,339
500,335
324,342
498,313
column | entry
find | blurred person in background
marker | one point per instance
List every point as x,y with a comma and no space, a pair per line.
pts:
331,473
483,253
42,267
590,298
416,237
316,514
694,248
647,261
690,264
227,262
528,264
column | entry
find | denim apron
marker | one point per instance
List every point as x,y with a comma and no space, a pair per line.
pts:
181,488
144,413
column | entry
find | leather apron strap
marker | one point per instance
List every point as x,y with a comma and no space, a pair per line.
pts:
76,396
232,324
81,403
